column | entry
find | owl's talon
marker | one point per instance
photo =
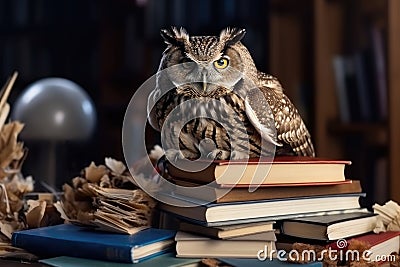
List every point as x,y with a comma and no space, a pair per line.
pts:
218,154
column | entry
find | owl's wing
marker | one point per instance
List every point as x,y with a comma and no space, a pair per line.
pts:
151,111
290,128
159,101
260,115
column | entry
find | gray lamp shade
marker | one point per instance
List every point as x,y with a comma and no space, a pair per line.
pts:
55,109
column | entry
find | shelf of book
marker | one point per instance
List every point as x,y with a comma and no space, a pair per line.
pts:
335,35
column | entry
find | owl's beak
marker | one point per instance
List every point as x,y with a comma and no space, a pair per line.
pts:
204,76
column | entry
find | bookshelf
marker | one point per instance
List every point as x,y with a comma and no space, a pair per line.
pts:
328,40
304,40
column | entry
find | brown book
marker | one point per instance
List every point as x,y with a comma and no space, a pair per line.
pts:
269,192
279,170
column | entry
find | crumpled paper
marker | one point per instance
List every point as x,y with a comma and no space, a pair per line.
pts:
13,186
107,197
389,217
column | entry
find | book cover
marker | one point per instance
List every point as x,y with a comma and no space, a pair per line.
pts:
242,193
279,170
165,260
75,241
330,227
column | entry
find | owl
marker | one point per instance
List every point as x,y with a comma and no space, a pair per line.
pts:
210,101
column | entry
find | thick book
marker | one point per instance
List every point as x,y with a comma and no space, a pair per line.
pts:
241,212
279,170
165,260
75,241
195,246
330,227
228,231
380,246
238,193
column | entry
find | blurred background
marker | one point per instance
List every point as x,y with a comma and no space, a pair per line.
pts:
336,59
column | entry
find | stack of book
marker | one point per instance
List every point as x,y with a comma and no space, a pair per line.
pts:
291,193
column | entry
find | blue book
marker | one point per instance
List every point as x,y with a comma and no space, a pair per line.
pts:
258,263
75,241
165,260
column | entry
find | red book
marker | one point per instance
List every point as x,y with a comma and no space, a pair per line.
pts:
377,247
382,245
260,171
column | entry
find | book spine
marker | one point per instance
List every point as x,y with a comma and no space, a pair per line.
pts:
51,247
378,45
340,77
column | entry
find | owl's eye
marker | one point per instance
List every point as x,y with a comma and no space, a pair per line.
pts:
221,63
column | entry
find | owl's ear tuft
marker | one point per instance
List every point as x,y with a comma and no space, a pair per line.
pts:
175,36
231,35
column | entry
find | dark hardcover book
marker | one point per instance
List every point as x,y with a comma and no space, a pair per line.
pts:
330,227
75,241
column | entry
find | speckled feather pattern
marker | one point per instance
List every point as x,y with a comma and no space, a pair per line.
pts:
220,111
